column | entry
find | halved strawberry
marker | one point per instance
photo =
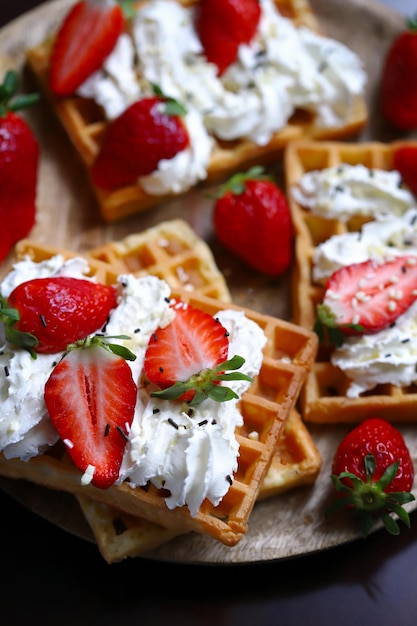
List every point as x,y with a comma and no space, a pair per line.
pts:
44,315
85,39
367,297
187,358
148,131
405,161
90,397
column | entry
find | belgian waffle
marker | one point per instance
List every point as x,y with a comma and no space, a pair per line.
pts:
85,124
323,398
119,536
288,354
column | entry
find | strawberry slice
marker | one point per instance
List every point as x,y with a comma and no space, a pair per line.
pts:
405,161
85,39
367,297
45,315
91,396
186,358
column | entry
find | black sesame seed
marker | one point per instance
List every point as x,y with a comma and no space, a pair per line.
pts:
6,370
174,424
122,432
155,411
107,430
43,320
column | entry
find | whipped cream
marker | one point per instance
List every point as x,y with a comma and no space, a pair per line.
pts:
389,356
344,191
196,459
379,238
282,69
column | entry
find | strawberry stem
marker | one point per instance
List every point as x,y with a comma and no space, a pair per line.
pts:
369,499
9,317
8,99
205,384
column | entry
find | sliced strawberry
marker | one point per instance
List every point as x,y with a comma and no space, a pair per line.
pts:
223,25
90,397
85,39
187,358
48,314
405,161
369,296
148,131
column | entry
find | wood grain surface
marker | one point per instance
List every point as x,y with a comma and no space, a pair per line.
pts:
286,526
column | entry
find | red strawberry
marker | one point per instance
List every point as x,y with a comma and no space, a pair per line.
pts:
85,39
145,133
91,396
48,314
223,25
252,220
373,471
19,160
405,161
399,80
187,358
367,297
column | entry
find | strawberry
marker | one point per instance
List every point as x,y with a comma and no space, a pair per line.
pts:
223,25
148,131
84,40
252,220
366,297
186,358
405,162
374,473
90,397
45,315
19,161
398,96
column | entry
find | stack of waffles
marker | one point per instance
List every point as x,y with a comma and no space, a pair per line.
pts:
85,125
276,451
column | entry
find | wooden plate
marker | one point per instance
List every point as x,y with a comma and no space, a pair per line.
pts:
287,526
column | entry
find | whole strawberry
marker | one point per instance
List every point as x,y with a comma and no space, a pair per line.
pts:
45,315
85,39
405,161
148,131
373,472
223,25
253,221
19,160
399,80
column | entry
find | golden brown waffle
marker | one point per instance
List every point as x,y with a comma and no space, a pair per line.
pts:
85,124
323,398
288,354
119,536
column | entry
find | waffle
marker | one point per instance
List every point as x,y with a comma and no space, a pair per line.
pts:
288,354
323,398
119,536
85,124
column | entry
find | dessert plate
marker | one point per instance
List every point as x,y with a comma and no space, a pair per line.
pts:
292,524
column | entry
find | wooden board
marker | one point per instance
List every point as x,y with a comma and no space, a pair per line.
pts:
293,524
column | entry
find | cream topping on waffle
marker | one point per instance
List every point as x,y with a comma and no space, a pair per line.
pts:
343,191
192,455
390,235
282,69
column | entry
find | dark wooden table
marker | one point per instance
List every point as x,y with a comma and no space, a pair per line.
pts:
54,578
